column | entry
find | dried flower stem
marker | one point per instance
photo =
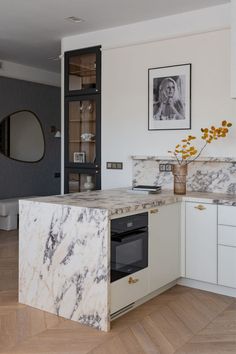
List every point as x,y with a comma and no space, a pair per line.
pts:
187,163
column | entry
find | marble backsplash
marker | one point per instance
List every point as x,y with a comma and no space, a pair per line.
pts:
216,175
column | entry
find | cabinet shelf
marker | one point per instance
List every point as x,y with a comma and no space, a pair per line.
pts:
82,121
81,141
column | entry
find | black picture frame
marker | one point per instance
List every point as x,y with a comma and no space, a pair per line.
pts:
169,97
79,157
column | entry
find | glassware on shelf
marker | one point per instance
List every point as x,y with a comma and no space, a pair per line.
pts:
87,137
88,185
86,106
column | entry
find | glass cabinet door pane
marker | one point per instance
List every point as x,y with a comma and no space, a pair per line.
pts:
82,131
82,72
81,182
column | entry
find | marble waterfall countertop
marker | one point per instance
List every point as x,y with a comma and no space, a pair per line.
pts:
124,200
64,248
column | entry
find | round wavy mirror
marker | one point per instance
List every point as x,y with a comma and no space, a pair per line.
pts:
21,137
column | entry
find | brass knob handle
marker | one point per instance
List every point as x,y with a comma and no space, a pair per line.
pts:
200,207
154,211
132,280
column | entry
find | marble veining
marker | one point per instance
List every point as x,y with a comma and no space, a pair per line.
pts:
213,175
64,248
64,261
123,200
169,158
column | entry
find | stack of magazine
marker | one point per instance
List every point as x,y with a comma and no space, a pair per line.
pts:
146,189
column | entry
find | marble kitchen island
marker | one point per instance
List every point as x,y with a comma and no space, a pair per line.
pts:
64,249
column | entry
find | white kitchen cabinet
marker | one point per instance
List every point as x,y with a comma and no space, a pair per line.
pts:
226,215
201,242
227,266
164,247
227,235
227,246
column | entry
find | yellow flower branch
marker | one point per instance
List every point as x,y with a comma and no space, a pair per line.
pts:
185,152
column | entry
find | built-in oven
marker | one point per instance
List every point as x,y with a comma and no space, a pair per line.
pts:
129,245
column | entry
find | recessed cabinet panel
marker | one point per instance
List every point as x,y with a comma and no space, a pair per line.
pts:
227,266
227,235
226,215
164,248
201,242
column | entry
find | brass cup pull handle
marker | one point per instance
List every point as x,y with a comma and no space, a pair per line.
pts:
200,207
132,280
154,211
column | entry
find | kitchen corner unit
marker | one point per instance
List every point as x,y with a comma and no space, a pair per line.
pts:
65,250
83,120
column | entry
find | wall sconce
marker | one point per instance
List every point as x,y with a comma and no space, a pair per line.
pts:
55,131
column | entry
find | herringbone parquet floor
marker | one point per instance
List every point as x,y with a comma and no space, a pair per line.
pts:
180,321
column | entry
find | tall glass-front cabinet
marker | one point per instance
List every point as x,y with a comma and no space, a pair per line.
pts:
83,120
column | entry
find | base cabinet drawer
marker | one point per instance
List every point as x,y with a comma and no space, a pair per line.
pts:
227,266
227,215
129,289
227,235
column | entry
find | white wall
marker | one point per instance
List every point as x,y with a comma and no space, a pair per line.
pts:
233,46
203,20
29,73
125,98
125,83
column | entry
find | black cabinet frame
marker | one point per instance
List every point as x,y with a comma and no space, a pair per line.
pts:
68,55
97,162
79,95
88,171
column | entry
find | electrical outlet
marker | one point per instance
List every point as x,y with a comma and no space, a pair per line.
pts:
162,167
165,167
168,167
115,165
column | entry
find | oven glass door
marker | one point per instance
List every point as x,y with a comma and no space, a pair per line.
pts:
129,253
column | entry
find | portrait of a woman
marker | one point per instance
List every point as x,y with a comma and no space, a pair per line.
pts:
168,105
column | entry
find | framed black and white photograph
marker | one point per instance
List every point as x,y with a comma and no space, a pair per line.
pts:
169,97
79,157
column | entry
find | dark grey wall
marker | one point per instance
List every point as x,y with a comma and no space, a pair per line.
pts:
19,179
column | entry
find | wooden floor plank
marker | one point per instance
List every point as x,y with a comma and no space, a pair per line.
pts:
159,339
144,339
179,321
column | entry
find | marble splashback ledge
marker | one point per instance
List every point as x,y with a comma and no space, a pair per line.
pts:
208,174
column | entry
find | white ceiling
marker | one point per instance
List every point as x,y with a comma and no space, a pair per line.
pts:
30,30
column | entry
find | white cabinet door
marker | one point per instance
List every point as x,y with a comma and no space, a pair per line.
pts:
201,242
227,266
164,248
